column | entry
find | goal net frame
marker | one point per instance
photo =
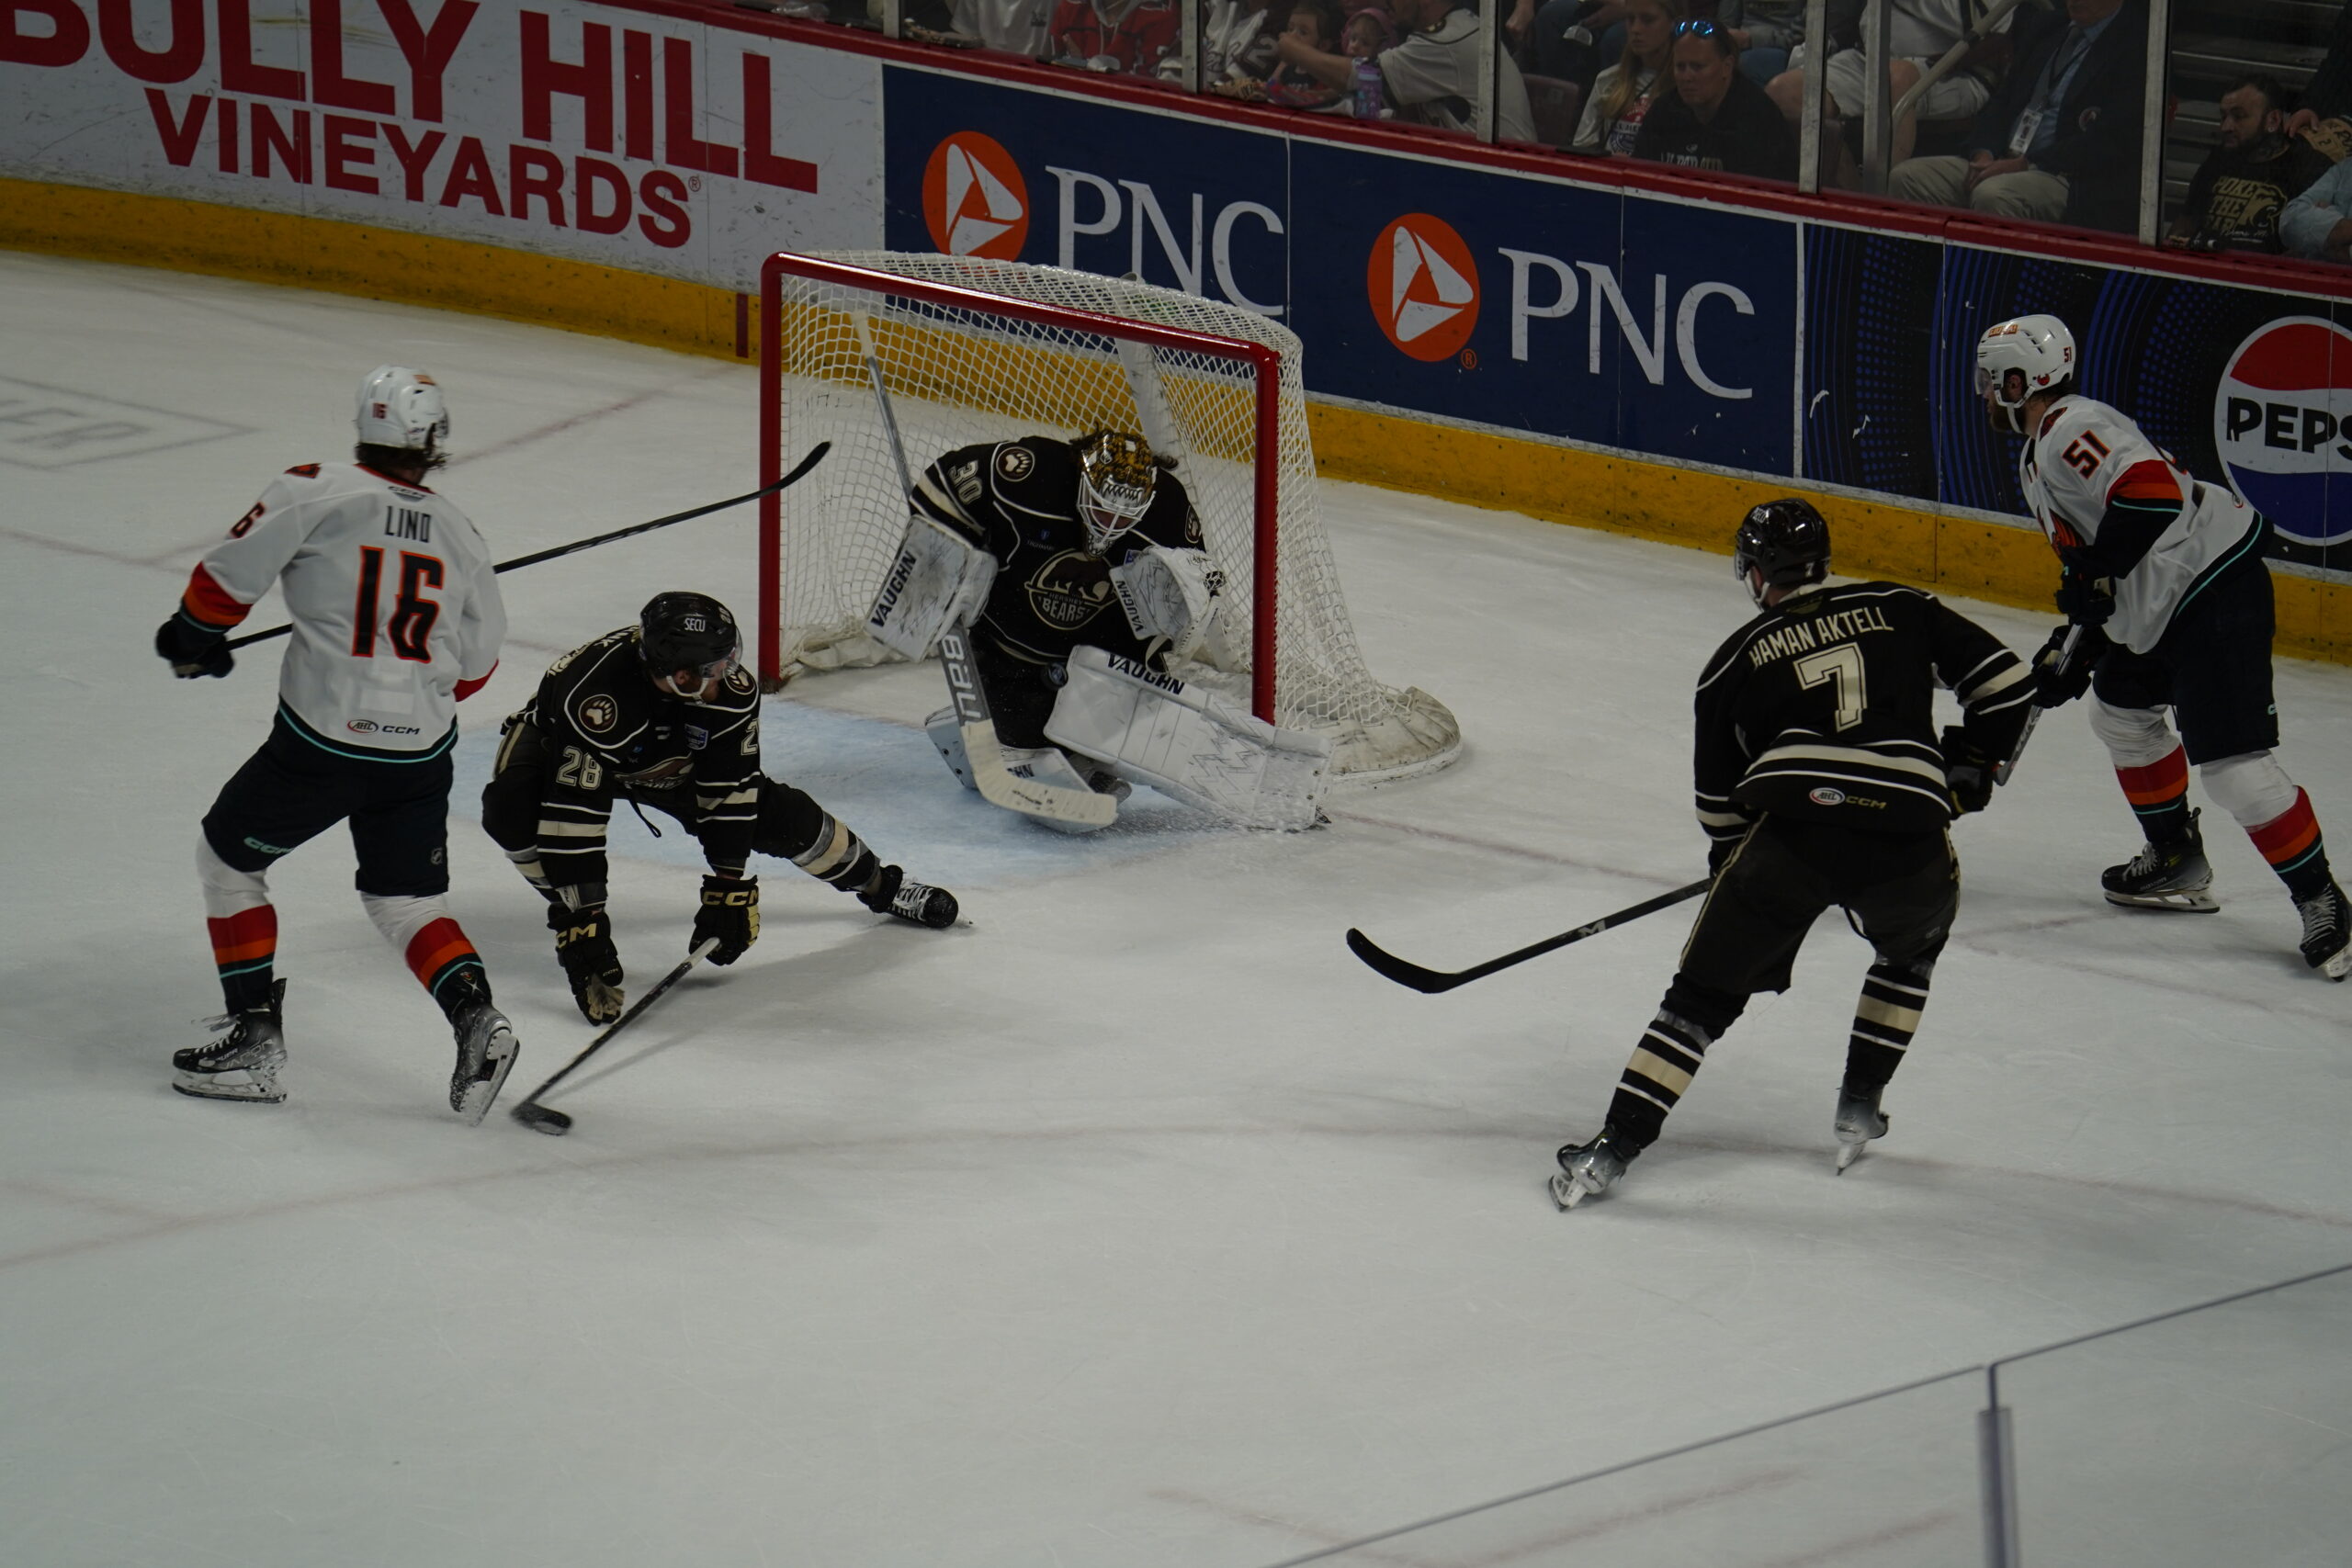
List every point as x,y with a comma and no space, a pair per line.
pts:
1263,364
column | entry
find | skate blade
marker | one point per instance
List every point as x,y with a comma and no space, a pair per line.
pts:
1848,1154
1566,1192
2178,903
2338,967
211,1086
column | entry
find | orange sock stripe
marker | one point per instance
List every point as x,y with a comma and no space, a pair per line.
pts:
2159,783
437,947
2287,835
245,936
207,602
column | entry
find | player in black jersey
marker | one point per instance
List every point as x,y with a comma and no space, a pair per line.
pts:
1820,781
663,713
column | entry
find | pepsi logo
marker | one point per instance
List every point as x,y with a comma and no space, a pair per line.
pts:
1423,286
2282,423
974,200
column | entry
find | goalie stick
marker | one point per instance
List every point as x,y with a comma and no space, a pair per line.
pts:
1415,977
995,782
555,1123
816,455
2033,715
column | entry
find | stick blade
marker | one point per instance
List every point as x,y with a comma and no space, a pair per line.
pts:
1389,967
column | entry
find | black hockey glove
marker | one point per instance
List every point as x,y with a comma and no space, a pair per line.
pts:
1968,768
583,945
2085,601
2058,679
193,651
731,912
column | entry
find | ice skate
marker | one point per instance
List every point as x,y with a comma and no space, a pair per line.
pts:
242,1064
1589,1169
486,1052
1860,1120
917,903
2165,876
2327,931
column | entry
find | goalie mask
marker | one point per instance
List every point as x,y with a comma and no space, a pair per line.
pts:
1782,544
402,409
687,634
1116,476
2016,360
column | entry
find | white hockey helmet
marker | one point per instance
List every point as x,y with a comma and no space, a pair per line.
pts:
403,409
2038,348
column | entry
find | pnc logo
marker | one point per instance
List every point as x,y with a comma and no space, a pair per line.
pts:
2282,423
1423,286
974,201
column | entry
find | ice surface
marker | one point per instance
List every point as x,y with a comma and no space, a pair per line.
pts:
1136,1224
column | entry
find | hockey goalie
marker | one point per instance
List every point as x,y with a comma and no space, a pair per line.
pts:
1063,584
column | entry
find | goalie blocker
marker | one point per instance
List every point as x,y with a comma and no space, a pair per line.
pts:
1147,728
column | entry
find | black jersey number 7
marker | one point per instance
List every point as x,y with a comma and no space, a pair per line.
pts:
411,625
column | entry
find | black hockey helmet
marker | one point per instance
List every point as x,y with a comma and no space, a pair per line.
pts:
687,631
1786,541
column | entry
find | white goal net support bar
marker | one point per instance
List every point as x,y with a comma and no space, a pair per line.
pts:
968,350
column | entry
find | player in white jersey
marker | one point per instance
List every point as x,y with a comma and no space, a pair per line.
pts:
396,619
2164,578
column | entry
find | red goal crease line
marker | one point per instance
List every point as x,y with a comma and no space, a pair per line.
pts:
1266,371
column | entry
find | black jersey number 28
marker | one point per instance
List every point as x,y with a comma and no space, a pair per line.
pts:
411,625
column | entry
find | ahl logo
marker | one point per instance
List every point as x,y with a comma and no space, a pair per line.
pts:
1424,287
2282,423
1826,795
974,201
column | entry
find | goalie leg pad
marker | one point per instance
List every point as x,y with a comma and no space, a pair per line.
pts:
1188,743
937,580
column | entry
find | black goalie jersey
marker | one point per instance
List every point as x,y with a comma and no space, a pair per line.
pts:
1825,708
1018,499
609,731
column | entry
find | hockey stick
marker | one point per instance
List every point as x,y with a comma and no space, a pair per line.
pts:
555,1123
2033,715
816,455
1433,980
995,782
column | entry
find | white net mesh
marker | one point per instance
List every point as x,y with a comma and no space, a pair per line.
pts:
958,375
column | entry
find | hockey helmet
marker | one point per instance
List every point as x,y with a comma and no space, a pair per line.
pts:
1782,544
2017,358
681,630
402,409
1116,476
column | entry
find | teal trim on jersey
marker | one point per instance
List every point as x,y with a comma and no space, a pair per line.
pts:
2253,536
361,753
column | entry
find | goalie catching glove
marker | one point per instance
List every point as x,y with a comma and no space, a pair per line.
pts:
731,915
583,945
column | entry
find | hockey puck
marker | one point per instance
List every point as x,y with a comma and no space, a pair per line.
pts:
539,1119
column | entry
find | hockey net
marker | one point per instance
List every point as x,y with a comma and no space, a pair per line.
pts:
972,350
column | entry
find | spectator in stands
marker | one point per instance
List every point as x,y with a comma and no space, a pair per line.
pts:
1016,26
1315,23
2318,223
1125,35
1918,33
1715,117
2061,141
1622,94
2327,98
1431,78
2243,187
1765,31
1567,39
1237,44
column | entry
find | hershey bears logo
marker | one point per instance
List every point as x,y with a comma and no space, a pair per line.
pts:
1070,590
1014,463
599,714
